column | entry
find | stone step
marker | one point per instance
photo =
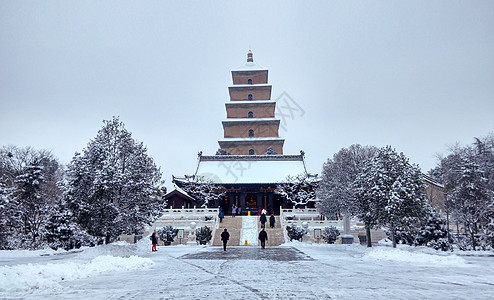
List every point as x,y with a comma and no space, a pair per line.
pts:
234,227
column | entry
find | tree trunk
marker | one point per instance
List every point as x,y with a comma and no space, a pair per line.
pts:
393,238
472,234
368,235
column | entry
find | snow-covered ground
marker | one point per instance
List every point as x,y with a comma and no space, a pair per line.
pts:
292,271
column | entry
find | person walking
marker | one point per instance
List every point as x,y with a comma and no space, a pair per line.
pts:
263,220
224,237
154,241
234,211
263,237
271,221
221,215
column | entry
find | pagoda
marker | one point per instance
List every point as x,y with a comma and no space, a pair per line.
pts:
251,127
250,163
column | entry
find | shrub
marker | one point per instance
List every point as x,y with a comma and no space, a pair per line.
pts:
203,234
167,233
330,234
295,232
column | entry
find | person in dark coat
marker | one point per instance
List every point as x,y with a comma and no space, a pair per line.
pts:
263,220
263,237
271,221
224,237
154,241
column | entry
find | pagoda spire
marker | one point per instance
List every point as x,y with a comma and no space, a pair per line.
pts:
250,57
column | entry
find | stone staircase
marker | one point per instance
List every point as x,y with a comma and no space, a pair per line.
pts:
275,235
234,227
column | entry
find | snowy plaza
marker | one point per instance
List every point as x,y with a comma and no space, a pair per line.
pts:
292,271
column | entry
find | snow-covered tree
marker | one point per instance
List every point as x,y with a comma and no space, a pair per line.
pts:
434,233
113,186
204,234
167,233
28,192
62,231
299,189
471,199
330,234
336,193
295,232
468,177
205,192
390,192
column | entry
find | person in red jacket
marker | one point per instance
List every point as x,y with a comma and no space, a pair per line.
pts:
154,240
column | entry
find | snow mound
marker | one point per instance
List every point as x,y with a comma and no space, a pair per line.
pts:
390,254
25,277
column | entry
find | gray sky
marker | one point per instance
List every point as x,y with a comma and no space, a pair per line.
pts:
416,75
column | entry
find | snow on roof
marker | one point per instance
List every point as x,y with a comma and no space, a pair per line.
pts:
249,119
250,169
250,66
177,189
250,85
235,102
251,139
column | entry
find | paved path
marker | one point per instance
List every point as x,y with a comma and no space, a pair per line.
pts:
251,253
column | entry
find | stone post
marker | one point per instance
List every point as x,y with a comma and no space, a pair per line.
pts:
347,237
191,239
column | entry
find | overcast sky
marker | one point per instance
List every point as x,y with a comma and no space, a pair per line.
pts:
416,75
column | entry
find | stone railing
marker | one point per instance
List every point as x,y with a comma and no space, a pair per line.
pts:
314,220
183,218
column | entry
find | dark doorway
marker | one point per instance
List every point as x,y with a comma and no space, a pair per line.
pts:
277,202
251,201
225,204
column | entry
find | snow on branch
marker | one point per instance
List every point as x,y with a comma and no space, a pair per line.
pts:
299,189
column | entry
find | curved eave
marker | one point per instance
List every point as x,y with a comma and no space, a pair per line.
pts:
253,121
248,140
265,85
250,102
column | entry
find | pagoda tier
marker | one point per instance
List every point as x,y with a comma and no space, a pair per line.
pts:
258,109
250,92
251,127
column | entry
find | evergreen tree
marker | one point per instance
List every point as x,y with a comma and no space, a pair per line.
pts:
330,234
390,192
468,177
336,193
63,232
295,232
113,186
29,191
434,233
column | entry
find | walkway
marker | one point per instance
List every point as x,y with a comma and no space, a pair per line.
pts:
242,228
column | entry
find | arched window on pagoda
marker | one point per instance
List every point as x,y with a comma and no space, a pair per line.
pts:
249,81
250,114
251,132
250,96
251,151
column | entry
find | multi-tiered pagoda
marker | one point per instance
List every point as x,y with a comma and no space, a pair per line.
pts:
250,162
251,127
